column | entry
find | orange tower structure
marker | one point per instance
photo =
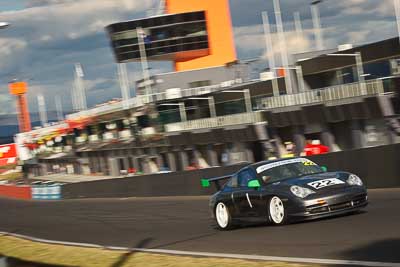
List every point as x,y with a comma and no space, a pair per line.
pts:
219,28
19,89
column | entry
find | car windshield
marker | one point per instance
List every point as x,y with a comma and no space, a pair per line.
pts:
290,170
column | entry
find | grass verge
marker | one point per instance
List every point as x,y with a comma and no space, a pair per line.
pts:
11,176
78,256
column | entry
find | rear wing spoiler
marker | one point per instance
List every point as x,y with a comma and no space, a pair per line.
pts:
207,182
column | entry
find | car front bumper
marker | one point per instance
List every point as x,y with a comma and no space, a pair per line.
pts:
320,206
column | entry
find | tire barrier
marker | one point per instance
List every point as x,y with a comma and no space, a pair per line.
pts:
46,192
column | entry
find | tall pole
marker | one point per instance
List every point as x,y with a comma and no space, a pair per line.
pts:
359,67
317,25
282,41
211,105
60,115
78,95
161,8
24,120
270,52
300,78
124,84
143,59
247,100
298,27
182,111
74,97
42,110
360,71
397,11
80,89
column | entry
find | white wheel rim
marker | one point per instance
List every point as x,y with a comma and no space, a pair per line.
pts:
221,213
276,210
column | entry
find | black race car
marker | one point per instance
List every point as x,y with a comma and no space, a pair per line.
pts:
284,190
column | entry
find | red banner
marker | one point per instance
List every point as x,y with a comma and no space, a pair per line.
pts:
8,151
20,192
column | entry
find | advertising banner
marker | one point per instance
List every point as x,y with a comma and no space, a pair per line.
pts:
8,151
8,154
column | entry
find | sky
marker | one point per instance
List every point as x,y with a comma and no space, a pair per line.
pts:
47,37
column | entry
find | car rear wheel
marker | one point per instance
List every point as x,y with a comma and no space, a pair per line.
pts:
277,213
222,216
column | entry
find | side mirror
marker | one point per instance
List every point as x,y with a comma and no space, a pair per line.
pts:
324,168
205,183
253,184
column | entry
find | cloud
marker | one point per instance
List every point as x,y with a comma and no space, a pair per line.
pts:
41,3
49,36
252,40
365,7
9,48
7,104
123,4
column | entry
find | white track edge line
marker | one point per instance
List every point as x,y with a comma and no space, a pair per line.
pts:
211,254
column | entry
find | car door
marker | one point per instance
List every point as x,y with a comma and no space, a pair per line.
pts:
246,200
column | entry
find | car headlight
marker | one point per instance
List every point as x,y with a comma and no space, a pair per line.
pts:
301,191
354,180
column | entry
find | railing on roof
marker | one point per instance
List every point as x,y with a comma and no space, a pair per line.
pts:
141,100
324,95
221,121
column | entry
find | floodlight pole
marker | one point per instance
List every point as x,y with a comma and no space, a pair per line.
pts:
282,41
42,110
397,11
143,60
298,27
124,84
211,104
359,66
270,52
317,25
300,78
60,115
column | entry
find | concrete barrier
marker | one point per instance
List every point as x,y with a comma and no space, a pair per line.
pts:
184,183
378,167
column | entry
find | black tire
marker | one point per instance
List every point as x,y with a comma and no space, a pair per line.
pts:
223,217
276,211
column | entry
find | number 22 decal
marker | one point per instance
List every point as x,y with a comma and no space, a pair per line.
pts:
325,183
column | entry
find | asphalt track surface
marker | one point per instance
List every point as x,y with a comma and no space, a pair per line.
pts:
183,223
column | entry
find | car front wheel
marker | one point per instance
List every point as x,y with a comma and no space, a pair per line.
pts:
277,213
223,217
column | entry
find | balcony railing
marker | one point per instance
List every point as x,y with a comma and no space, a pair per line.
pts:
141,100
324,95
236,119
